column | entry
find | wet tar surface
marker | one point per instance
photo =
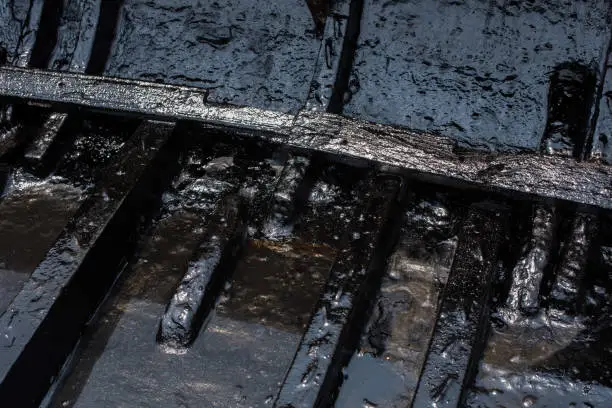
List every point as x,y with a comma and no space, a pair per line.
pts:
260,55
313,308
477,71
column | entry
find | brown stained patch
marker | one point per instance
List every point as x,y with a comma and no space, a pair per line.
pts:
406,308
412,325
517,347
32,219
295,248
277,284
164,259
319,10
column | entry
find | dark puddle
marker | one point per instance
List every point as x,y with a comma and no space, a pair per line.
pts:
35,210
242,353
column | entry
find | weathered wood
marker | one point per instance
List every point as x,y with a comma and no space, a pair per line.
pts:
459,333
73,53
316,368
224,236
43,323
428,156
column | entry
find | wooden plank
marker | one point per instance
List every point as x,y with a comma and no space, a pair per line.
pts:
43,323
460,329
427,156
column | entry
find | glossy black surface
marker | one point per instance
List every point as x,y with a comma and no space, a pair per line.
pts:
385,369
602,134
257,54
252,253
428,156
72,273
476,71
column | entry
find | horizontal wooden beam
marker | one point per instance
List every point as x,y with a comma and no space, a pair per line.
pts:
427,156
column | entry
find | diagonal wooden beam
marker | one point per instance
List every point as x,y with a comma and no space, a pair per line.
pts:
425,155
44,321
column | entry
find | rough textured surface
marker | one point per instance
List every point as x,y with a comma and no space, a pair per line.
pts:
432,157
286,195
260,55
199,289
572,97
39,151
13,15
602,137
495,75
567,291
18,28
331,59
549,359
35,210
72,51
234,362
76,35
58,279
240,356
385,370
528,272
462,317
474,70
315,372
